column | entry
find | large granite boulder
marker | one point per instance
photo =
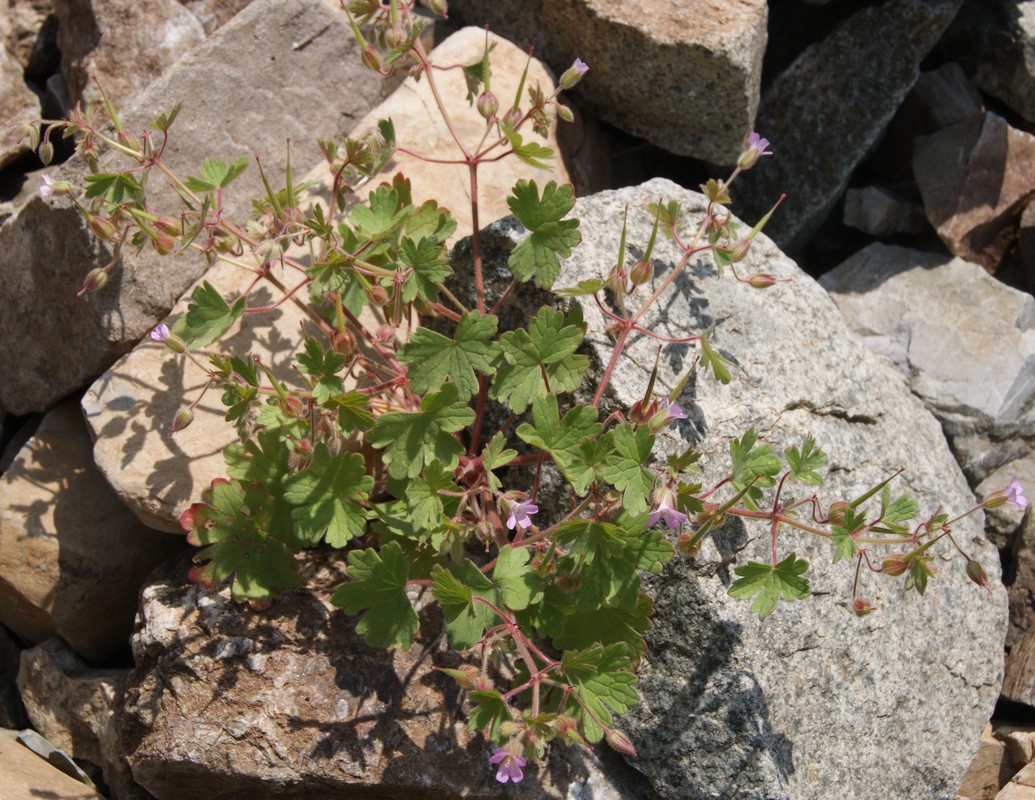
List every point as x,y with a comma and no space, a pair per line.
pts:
682,74
814,702
228,102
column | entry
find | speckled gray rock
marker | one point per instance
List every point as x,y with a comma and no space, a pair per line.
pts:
964,341
814,703
682,74
826,111
995,42
305,75
230,704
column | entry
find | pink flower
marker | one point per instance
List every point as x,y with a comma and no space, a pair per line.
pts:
1015,493
510,764
519,514
666,509
160,333
47,189
572,74
757,147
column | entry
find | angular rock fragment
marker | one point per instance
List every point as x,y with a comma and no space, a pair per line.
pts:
683,75
826,111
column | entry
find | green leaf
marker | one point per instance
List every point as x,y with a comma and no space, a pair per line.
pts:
333,275
489,712
607,626
770,582
113,187
412,439
603,680
430,220
893,514
434,359
382,213
423,495
625,470
455,590
531,153
164,121
428,268
328,494
216,173
805,462
586,287
208,316
561,438
236,527
323,366
263,459
607,558
379,584
552,237
548,346
353,411
713,360
751,463
494,456
519,585
841,535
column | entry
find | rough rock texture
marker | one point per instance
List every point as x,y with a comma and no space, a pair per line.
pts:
214,13
77,709
994,40
20,23
131,407
227,105
12,713
826,111
26,776
1021,786
1020,582
72,558
419,127
17,101
1003,523
974,370
290,703
1019,680
738,708
682,74
976,178
101,38
881,212
989,770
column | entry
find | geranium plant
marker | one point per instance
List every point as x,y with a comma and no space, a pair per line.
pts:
418,450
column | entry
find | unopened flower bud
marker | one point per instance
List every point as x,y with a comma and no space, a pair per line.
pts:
977,573
572,75
95,279
762,280
128,139
384,334
102,227
837,511
513,117
861,607
895,565
565,113
163,243
440,7
620,742
378,295
686,546
641,272
292,407
371,59
46,153
343,342
739,249
488,105
396,35
183,418
169,225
